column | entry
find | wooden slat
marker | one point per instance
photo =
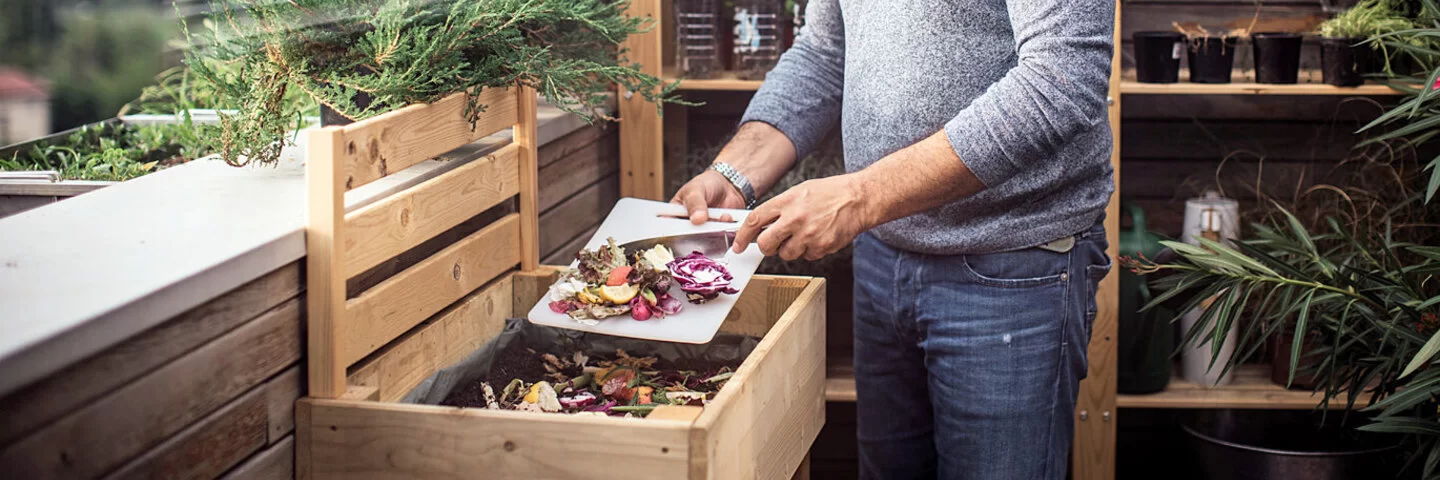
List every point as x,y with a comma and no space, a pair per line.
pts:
373,148
396,305
83,382
529,184
105,433
325,262
1093,446
573,142
677,413
280,395
221,440
437,343
274,463
1187,88
764,420
577,214
641,143
719,81
530,287
1252,388
65,189
391,440
400,222
765,300
578,170
565,254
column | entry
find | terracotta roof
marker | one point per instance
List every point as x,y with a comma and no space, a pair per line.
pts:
17,84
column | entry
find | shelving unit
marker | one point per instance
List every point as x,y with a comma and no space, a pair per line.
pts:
644,136
1245,85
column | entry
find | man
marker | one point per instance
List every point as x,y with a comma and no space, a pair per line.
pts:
976,139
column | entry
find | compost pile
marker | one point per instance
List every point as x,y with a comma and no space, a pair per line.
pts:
622,385
362,58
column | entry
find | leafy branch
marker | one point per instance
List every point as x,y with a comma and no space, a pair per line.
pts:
262,54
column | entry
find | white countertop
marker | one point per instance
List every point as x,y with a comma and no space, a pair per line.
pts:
81,275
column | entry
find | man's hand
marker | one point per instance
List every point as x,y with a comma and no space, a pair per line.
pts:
810,220
707,190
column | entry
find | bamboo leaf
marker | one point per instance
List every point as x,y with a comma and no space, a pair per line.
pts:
1424,355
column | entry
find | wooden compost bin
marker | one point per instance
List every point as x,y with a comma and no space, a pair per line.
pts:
367,352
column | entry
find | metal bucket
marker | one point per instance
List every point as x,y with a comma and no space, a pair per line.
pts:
1278,444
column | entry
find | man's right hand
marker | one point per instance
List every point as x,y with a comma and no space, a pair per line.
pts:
705,191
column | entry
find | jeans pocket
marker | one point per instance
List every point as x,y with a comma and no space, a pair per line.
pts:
1093,275
1031,267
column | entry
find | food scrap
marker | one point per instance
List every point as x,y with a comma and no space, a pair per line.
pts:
620,386
608,282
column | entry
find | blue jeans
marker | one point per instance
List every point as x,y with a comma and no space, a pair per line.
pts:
968,366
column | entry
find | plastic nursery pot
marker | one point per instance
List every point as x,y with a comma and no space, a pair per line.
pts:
1277,57
1211,59
1157,56
1342,62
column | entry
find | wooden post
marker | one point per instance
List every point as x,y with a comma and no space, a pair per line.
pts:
525,136
641,132
324,265
1095,416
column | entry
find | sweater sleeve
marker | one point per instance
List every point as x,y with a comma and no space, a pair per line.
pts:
801,95
1056,90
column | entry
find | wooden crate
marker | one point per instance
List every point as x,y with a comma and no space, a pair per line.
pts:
367,352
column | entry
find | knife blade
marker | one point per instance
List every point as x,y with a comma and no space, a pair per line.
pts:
710,244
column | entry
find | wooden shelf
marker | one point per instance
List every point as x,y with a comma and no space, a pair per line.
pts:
722,81
1183,88
1252,389
1244,84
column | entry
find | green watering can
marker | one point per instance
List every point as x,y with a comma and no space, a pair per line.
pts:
1147,339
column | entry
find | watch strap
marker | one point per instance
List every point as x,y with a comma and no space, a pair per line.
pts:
739,181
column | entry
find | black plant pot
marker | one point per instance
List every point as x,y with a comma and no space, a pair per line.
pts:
329,116
1157,56
1211,59
1277,57
1342,62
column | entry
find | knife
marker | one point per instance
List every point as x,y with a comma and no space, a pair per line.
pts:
710,244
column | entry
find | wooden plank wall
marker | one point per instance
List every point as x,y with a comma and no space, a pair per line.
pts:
210,393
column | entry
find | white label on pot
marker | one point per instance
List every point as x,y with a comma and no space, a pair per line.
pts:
1176,50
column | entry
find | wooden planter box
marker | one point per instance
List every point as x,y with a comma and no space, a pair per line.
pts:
368,349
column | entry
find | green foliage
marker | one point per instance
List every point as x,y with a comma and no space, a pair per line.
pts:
1371,301
401,52
1416,119
113,153
1366,19
102,60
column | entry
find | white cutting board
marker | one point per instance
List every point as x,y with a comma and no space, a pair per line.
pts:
636,219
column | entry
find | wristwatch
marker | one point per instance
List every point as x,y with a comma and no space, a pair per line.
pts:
739,181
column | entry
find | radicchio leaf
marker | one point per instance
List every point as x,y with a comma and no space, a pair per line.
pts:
701,278
668,305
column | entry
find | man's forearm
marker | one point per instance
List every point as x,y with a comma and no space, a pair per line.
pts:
761,153
914,179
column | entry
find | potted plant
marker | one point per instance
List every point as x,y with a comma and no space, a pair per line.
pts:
1345,54
1277,56
403,53
1157,56
1211,55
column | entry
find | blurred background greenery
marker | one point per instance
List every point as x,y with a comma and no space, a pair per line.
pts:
94,55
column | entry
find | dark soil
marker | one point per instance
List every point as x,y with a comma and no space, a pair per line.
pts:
519,361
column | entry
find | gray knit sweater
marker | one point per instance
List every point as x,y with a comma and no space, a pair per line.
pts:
1019,87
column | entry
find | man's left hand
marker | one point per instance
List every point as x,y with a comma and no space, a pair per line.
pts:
810,220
